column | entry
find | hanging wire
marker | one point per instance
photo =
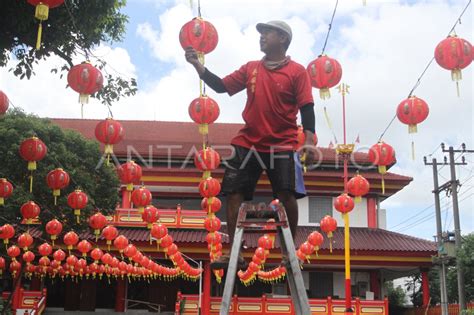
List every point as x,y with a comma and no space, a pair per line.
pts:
458,21
330,27
199,8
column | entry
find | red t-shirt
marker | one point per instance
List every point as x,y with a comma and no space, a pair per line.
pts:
273,100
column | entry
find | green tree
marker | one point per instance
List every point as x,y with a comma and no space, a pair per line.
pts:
396,296
72,28
66,149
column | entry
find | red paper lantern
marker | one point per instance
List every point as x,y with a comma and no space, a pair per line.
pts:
85,79
455,54
33,150
109,132
207,160
211,204
209,187
141,198
130,251
265,242
96,254
328,225
6,233
4,103
24,241
45,249
150,216
6,190
59,255
28,257
324,72
344,203
109,233
54,228
2,265
13,251
129,173
199,34
203,111
15,267
70,239
29,210
412,111
382,154
42,14
97,222
57,179
84,247
158,231
212,224
358,186
307,249
316,239
121,242
77,200
166,241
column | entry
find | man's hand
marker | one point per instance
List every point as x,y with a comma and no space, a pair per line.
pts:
192,57
309,148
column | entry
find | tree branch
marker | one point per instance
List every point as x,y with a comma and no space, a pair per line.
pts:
63,55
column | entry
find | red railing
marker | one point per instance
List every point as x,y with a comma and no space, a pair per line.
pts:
27,302
189,305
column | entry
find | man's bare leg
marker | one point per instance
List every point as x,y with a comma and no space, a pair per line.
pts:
234,201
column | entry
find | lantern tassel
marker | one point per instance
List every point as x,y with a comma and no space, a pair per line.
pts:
31,182
82,110
38,38
326,116
383,185
457,88
55,200
413,150
324,93
330,246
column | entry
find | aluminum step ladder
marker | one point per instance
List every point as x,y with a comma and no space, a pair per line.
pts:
254,221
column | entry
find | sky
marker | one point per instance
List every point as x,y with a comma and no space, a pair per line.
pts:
383,48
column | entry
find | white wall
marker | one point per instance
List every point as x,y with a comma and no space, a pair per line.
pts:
339,282
303,215
382,219
357,217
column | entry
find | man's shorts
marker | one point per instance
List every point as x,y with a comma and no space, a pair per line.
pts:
245,167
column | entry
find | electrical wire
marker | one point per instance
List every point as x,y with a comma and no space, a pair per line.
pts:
329,28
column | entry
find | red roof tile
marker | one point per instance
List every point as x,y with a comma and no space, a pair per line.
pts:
362,239
146,135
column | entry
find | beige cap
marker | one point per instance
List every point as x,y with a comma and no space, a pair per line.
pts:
278,25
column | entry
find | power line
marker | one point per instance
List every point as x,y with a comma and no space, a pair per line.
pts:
330,27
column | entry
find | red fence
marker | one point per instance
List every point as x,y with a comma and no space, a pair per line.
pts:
271,306
27,302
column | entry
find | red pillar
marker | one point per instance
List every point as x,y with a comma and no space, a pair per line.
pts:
425,288
375,284
371,213
126,198
121,295
206,289
17,292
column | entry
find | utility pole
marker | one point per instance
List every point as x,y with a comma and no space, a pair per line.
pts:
457,225
439,237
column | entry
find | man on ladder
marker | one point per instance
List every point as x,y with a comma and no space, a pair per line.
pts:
277,88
